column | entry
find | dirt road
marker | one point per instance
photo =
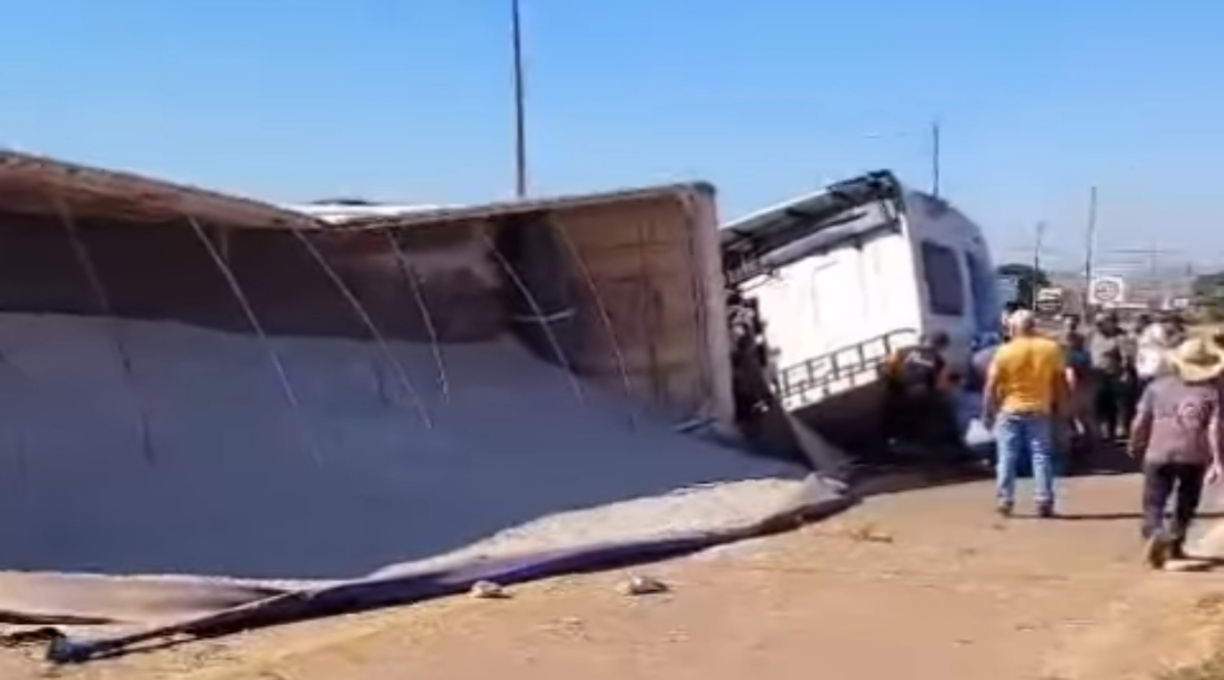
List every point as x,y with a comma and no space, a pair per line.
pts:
921,584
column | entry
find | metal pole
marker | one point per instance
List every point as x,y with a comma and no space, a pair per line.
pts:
935,143
1154,275
1039,236
1089,246
520,122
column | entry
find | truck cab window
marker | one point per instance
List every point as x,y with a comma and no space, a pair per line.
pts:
984,287
944,283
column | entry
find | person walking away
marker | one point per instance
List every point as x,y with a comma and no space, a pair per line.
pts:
1108,367
1025,387
1176,436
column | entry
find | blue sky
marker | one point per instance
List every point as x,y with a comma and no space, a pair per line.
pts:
410,100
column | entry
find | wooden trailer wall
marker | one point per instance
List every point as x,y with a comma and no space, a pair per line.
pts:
630,281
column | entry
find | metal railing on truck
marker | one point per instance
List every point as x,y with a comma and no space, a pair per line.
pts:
813,380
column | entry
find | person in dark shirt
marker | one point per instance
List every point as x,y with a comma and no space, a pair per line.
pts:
1080,426
980,366
1107,349
1071,329
1176,328
1133,384
917,409
920,368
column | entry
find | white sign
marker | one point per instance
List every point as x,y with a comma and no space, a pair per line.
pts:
1107,291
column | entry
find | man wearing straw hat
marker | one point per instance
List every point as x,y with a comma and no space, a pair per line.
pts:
1176,434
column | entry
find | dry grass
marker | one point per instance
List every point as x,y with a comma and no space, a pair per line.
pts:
869,533
1208,611
1210,669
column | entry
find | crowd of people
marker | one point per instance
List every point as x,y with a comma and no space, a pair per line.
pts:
1107,369
1058,400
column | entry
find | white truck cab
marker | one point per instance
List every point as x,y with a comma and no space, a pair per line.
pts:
844,276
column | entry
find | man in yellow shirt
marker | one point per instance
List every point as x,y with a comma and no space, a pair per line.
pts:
1025,386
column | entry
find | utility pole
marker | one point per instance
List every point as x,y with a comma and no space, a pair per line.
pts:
1038,237
520,122
1089,246
935,143
1154,273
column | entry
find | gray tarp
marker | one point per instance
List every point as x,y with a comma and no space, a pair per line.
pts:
89,617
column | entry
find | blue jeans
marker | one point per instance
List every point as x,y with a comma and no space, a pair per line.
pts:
1019,434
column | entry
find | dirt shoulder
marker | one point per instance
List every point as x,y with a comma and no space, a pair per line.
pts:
1169,627
922,584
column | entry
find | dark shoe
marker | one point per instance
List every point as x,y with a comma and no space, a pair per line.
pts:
1045,510
1176,550
1156,551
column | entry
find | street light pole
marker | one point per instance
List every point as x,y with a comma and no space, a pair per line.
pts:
520,123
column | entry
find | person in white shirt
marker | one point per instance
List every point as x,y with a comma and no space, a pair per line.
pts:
1151,359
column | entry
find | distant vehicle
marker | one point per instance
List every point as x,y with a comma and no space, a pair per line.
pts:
843,277
1050,301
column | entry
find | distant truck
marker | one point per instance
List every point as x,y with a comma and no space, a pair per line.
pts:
1050,301
839,279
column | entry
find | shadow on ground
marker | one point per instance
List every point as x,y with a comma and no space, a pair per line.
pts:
925,470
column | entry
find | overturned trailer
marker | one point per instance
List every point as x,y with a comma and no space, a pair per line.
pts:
295,416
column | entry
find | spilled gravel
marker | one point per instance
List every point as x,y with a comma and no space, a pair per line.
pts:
196,463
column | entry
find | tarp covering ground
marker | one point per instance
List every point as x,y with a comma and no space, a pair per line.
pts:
191,492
